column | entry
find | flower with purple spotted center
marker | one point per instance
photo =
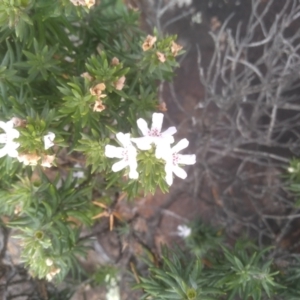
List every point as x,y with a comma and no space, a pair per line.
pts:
154,136
173,159
127,153
154,132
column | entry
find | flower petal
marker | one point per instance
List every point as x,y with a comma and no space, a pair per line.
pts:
179,172
133,174
142,125
13,153
3,151
188,159
170,131
11,149
112,151
118,166
182,144
13,133
6,126
157,120
143,143
3,138
3,125
163,150
169,174
48,140
124,138
132,153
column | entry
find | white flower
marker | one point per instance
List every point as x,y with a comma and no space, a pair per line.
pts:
184,231
127,153
7,138
48,140
154,135
173,159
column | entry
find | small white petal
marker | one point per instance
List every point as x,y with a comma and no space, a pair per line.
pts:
3,151
10,124
142,125
118,166
143,143
179,172
168,139
169,174
10,132
182,144
3,138
6,126
132,153
163,150
48,140
13,153
133,174
13,133
132,162
112,151
188,159
3,125
124,139
157,120
170,131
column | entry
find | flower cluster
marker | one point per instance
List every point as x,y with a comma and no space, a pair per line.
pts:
161,140
97,91
173,48
10,146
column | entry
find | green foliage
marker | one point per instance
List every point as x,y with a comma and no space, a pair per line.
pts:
47,220
245,272
203,238
53,56
152,172
289,278
94,152
82,75
104,275
177,278
241,272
